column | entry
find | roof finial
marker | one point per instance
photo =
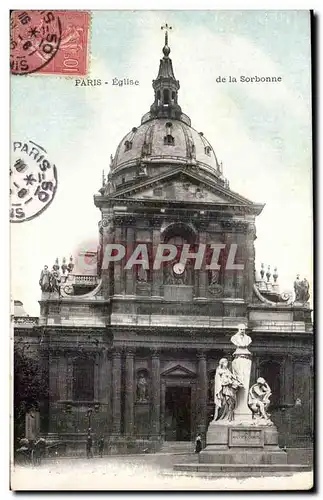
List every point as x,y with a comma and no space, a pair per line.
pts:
166,49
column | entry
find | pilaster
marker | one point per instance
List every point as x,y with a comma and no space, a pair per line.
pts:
129,406
116,384
155,375
202,392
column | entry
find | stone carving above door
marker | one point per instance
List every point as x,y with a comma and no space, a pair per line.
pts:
178,371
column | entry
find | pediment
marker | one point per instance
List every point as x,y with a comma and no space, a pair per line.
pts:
178,371
182,185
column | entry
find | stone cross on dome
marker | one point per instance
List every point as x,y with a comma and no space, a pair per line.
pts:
166,88
166,49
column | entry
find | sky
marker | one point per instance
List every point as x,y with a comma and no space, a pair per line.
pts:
261,132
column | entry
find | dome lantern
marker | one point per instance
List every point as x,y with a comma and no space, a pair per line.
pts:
166,89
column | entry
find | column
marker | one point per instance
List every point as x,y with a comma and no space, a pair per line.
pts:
105,377
254,369
288,380
241,258
202,392
116,393
202,273
107,229
229,274
130,274
155,375
69,377
44,375
250,262
105,386
118,266
53,378
62,376
157,274
96,376
129,408
53,392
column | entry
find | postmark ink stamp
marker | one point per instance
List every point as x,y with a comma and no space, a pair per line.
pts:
35,38
33,181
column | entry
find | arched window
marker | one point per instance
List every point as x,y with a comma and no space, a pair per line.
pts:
169,140
207,150
166,96
175,275
83,379
127,145
158,97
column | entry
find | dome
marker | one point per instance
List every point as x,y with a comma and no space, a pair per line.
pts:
162,142
164,139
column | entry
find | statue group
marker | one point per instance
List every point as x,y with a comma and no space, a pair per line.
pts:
301,289
228,382
50,281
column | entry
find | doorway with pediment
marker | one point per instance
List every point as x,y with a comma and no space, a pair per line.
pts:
178,404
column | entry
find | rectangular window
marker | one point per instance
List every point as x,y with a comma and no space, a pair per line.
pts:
83,379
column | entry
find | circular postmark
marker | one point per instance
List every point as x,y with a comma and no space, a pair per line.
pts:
33,181
35,37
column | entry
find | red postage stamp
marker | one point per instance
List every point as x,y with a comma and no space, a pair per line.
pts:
49,42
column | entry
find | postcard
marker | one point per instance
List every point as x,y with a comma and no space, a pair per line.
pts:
161,250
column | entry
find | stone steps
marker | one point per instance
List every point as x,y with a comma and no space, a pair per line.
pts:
240,470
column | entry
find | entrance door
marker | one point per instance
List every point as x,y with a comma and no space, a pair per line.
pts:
178,414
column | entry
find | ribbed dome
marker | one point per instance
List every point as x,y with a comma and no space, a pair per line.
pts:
165,141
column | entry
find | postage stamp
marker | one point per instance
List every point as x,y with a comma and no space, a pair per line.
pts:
33,181
50,42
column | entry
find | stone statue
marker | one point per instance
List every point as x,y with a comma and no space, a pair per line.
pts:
241,339
142,169
70,265
55,278
44,280
226,385
301,289
259,399
109,187
142,388
64,267
214,278
297,288
306,288
142,275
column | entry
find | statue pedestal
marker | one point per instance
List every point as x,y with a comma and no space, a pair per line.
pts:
241,451
242,444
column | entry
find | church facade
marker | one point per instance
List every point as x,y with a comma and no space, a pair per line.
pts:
130,352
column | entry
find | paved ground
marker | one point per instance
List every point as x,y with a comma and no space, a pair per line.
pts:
146,472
